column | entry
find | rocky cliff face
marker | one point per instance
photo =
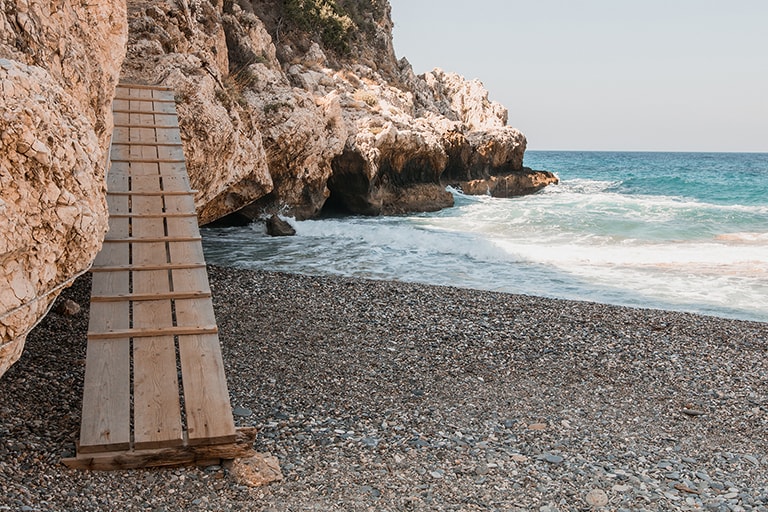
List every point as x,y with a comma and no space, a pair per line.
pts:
285,106
59,62
291,106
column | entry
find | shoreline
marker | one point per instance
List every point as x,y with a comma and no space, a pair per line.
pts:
383,395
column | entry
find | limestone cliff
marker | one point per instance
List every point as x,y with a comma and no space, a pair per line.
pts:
285,106
292,105
59,63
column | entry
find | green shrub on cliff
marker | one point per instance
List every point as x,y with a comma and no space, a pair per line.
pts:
324,18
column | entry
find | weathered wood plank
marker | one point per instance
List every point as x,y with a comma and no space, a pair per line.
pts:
190,280
154,332
167,135
136,239
135,126
157,413
106,412
171,153
144,143
186,251
106,406
209,414
184,227
180,204
152,193
186,455
116,181
148,160
155,215
157,416
123,97
143,297
160,266
176,183
147,89
145,107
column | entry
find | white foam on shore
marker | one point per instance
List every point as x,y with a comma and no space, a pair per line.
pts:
582,241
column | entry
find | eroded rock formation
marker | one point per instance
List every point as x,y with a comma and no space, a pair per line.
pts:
59,63
282,114
285,107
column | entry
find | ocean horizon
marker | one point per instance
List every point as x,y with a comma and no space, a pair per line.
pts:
681,231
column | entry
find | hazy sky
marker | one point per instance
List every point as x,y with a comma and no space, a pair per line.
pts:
672,75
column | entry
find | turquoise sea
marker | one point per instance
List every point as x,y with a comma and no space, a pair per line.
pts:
677,231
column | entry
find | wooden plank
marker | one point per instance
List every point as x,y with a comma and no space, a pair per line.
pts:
128,98
242,447
157,413
145,143
126,152
153,332
139,240
180,204
176,169
169,120
171,154
143,297
121,134
190,280
184,227
122,86
186,251
124,123
154,215
111,255
160,266
105,423
152,193
176,183
117,203
206,397
148,160
106,411
152,107
166,135
117,181
118,226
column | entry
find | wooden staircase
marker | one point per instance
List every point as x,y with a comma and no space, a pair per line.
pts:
155,390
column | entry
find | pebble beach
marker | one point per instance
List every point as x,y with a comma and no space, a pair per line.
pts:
382,395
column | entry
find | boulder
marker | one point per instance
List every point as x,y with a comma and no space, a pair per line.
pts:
279,227
513,184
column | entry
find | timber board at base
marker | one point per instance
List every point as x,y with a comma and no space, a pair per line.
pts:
168,457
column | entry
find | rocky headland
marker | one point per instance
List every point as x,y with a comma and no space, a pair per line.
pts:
285,107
